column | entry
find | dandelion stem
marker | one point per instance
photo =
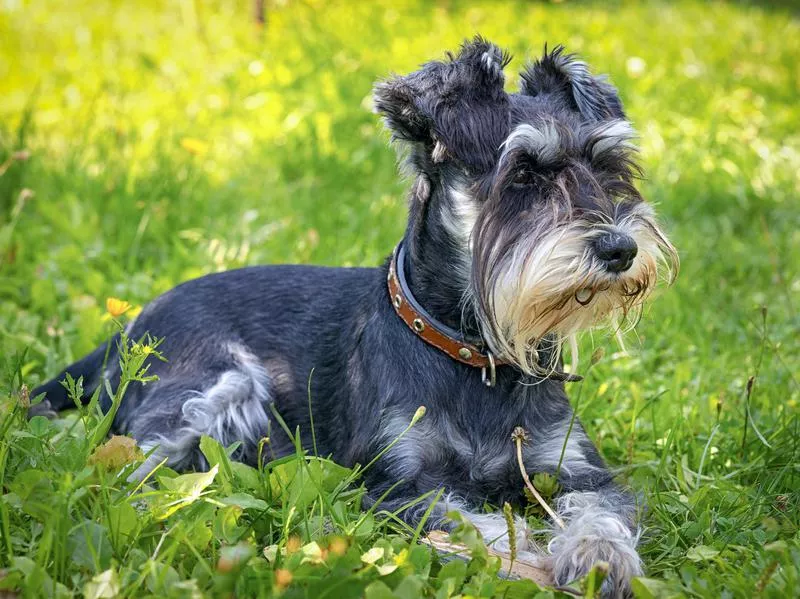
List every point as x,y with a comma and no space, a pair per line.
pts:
518,437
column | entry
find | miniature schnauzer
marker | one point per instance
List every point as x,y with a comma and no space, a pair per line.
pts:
525,227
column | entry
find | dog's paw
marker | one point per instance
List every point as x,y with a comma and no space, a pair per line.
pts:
584,543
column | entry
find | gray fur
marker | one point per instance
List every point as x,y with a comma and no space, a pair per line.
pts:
232,409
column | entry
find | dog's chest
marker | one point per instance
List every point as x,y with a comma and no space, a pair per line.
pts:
440,450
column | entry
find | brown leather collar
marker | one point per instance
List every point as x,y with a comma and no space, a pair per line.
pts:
439,335
432,331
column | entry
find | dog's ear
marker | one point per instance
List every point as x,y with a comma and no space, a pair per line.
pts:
557,72
455,108
400,101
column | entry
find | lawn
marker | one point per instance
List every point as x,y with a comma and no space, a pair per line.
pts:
145,143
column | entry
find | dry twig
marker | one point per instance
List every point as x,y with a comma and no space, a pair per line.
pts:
518,437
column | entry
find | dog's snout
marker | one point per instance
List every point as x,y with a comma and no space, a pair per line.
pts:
616,250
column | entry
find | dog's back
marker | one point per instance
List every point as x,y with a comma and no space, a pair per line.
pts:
274,311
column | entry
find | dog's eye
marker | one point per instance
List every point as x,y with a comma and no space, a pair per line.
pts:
523,177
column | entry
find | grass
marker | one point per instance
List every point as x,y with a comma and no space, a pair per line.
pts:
163,141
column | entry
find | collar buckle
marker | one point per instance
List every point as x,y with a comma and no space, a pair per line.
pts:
491,379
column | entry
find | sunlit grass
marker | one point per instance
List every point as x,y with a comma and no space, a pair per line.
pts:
163,141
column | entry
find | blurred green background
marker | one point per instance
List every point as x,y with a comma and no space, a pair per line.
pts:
165,140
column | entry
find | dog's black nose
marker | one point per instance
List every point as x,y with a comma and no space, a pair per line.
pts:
616,250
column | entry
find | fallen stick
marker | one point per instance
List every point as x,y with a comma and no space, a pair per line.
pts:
440,541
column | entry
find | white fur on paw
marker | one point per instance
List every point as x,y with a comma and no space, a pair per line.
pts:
596,536
532,558
494,530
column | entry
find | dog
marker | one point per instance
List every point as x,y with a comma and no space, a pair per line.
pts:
525,227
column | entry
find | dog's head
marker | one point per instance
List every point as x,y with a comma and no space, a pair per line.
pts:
534,189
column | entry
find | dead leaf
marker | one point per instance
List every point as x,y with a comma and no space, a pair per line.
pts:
115,453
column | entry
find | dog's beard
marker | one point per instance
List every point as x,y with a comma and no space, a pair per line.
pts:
533,293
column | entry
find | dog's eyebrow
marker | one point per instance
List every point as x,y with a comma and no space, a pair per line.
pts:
611,135
544,142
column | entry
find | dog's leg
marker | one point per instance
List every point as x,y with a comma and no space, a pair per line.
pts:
599,517
232,406
422,458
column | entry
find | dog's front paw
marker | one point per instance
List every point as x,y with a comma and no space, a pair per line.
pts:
587,541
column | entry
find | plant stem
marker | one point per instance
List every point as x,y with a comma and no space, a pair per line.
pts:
518,442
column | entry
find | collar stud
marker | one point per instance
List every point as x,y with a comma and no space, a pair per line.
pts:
433,332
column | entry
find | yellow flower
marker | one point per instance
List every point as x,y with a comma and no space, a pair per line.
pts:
401,558
117,307
142,349
194,146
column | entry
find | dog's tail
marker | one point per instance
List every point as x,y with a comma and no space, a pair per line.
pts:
89,367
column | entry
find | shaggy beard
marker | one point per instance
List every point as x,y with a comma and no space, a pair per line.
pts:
534,293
